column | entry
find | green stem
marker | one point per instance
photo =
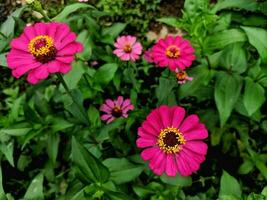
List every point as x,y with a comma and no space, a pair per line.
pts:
45,16
60,77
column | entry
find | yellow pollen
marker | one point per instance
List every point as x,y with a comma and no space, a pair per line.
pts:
41,45
170,140
181,75
127,48
173,51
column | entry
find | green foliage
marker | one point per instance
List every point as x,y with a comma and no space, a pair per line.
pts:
53,144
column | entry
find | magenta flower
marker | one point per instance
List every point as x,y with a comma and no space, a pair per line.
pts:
182,77
115,109
42,49
127,48
148,56
172,142
173,52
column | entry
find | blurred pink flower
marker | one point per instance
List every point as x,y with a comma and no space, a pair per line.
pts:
173,52
42,49
127,48
148,56
172,141
115,109
182,77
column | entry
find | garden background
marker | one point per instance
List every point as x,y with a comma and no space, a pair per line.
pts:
53,143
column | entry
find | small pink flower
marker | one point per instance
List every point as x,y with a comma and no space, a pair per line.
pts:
173,52
182,77
115,109
173,143
127,48
42,49
148,56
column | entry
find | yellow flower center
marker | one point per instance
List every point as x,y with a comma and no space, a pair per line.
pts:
173,51
181,75
127,48
42,48
170,140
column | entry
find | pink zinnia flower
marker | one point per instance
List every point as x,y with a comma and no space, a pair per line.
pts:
115,109
172,142
173,52
148,56
182,77
42,49
127,48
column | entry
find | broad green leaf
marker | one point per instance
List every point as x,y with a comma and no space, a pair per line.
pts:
85,38
229,186
250,5
59,124
3,62
227,91
35,190
264,191
254,96
117,195
201,75
76,106
221,39
257,37
105,73
16,131
62,16
246,167
52,146
114,30
7,28
121,170
94,116
228,197
178,180
164,89
171,21
7,150
254,196
74,76
234,59
88,167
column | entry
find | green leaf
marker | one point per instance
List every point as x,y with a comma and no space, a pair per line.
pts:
250,5
52,147
253,196
246,167
89,168
227,91
234,58
3,62
35,190
254,96
94,116
221,39
7,150
178,180
164,89
114,30
7,28
62,16
16,131
105,73
121,170
257,37
1,182
74,76
59,124
171,21
229,186
85,39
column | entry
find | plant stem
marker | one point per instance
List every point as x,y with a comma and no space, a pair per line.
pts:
60,77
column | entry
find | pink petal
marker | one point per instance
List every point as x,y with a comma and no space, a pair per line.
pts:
130,107
68,50
105,117
154,120
125,57
32,79
53,66
198,133
65,68
105,108
148,153
41,72
182,166
40,28
197,147
110,103
165,113
29,32
19,44
126,103
145,142
158,162
65,59
178,114
70,38
171,167
189,123
144,134
119,101
119,52
110,120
